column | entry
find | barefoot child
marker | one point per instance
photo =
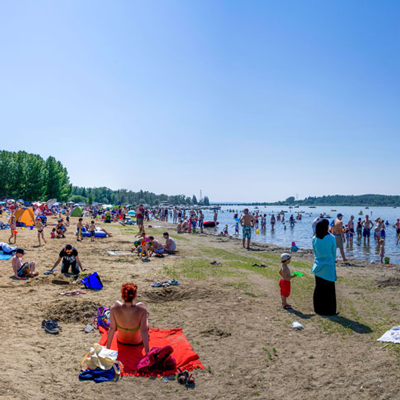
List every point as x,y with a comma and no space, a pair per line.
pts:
92,230
79,228
284,283
13,227
382,252
40,228
23,270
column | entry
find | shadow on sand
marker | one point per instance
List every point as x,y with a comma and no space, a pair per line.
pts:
301,315
348,323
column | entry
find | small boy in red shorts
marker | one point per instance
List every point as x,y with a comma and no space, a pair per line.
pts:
284,283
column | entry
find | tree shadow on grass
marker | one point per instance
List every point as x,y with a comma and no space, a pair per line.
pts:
350,324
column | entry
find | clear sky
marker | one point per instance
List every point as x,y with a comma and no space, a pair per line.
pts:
246,100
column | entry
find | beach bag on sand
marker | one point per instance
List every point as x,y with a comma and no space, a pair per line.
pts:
102,318
93,282
100,357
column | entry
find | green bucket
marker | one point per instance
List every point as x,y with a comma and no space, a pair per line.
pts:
387,260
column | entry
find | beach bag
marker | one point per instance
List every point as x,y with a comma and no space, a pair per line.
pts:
100,357
93,282
102,318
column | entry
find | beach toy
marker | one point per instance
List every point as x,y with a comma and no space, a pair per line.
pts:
150,226
31,227
297,273
22,228
257,231
15,232
387,260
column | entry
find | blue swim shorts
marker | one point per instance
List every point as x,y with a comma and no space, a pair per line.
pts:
247,232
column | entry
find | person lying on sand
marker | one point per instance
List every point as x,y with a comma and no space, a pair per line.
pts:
129,320
23,270
170,245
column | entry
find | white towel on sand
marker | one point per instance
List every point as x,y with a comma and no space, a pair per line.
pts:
392,336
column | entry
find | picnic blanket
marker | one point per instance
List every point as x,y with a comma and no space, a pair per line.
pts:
392,335
5,256
129,356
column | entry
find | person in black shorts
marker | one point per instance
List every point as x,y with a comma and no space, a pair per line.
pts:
69,257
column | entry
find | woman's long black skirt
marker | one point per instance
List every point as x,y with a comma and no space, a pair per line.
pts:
324,297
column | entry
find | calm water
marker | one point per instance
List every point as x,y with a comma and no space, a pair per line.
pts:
302,231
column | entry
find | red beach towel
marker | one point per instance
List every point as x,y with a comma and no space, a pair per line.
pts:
129,356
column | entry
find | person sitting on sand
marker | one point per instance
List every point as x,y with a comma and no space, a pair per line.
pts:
23,270
170,245
60,229
156,246
179,227
69,257
129,320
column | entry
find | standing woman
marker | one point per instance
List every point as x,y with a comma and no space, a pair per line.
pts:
324,269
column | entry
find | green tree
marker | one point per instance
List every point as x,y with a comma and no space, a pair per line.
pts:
206,201
194,199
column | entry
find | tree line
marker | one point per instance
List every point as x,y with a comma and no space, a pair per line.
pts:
31,178
124,196
377,200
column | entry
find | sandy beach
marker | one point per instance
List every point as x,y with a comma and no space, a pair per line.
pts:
231,314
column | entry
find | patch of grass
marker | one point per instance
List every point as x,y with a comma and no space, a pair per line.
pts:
179,237
238,285
311,357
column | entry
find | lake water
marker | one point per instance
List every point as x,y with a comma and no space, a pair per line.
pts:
302,232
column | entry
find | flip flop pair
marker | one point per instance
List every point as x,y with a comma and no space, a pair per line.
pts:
184,378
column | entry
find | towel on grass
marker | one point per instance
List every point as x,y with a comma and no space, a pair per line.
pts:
392,335
5,256
129,356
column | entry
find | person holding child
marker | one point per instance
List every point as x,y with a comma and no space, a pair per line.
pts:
324,269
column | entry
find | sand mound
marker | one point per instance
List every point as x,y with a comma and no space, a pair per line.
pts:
71,310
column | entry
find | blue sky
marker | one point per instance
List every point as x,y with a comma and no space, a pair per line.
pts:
248,101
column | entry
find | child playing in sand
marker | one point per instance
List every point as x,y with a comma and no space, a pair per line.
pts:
79,229
382,251
237,228
92,230
226,230
53,233
23,270
284,283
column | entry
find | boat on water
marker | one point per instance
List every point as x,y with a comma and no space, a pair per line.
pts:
333,210
312,207
367,208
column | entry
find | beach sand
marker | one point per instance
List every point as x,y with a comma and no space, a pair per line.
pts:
231,314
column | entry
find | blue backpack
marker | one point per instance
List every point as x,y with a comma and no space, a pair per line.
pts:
93,282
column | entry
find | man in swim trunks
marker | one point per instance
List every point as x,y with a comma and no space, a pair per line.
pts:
23,270
367,224
337,231
397,226
156,246
247,222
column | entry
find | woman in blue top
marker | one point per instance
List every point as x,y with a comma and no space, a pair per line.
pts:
324,268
